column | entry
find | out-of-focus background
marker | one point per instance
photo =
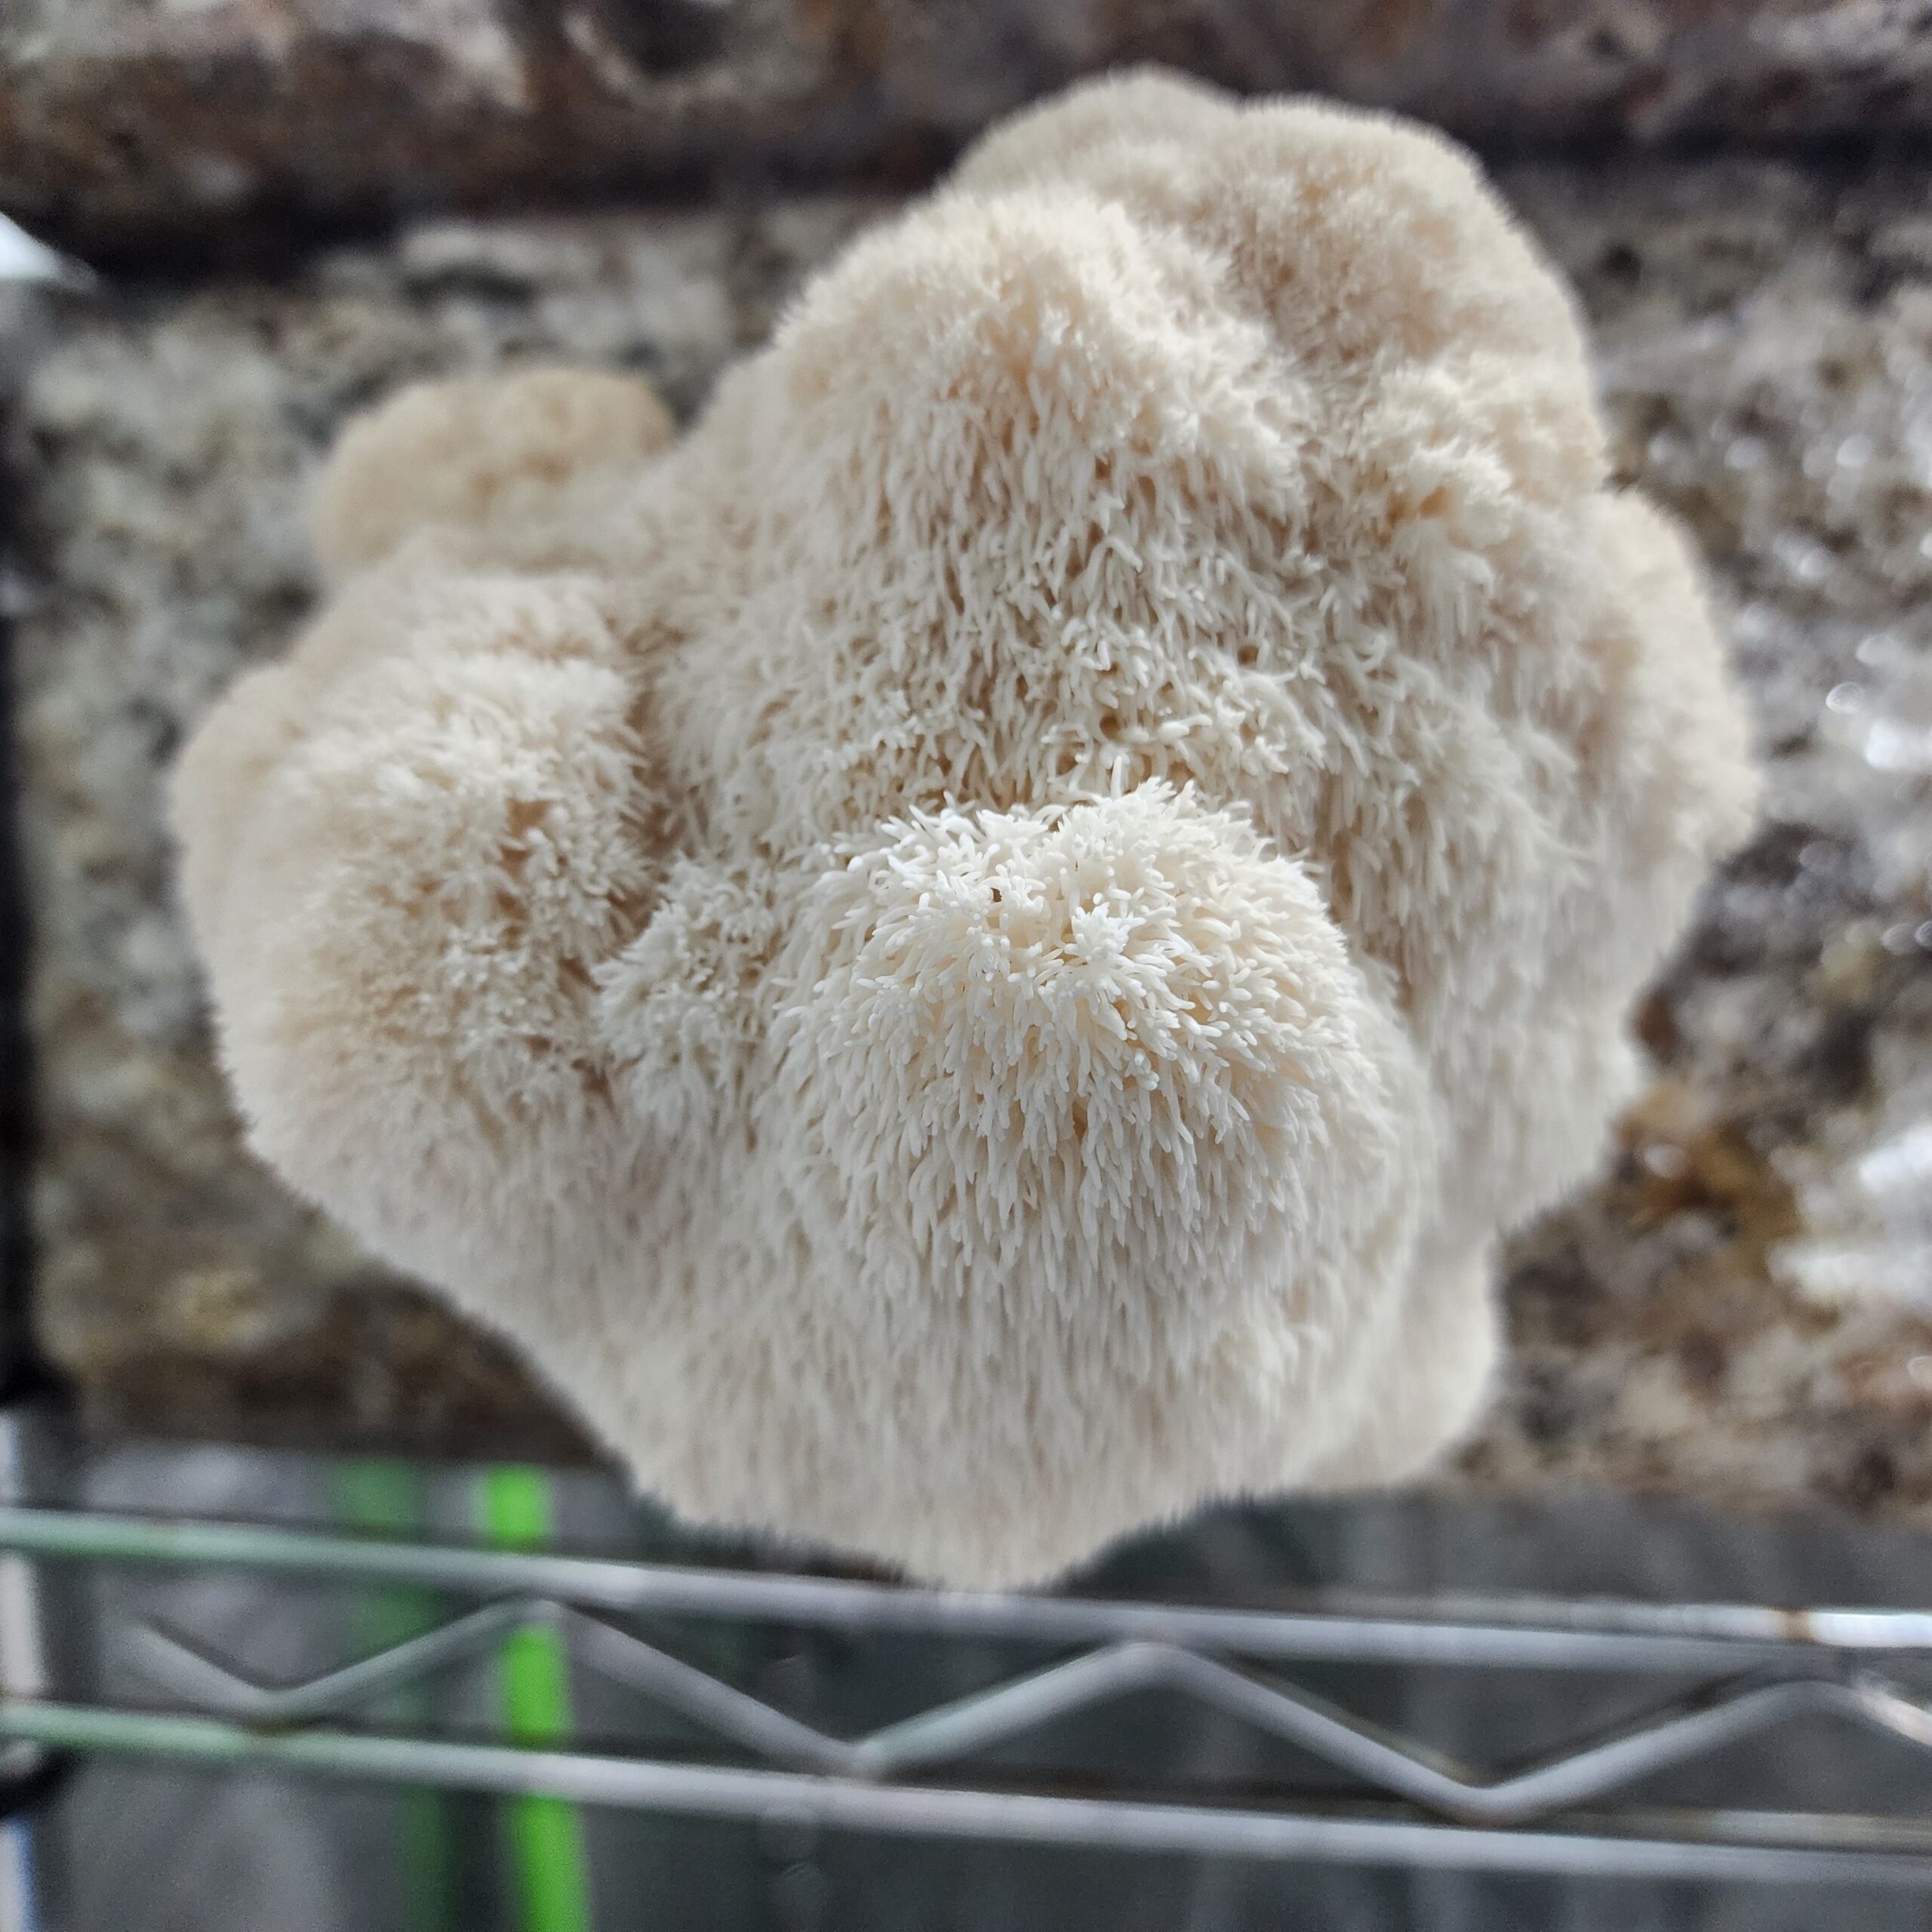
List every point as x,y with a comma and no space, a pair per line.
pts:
283,208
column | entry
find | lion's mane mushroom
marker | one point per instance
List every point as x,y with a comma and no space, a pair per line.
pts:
977,950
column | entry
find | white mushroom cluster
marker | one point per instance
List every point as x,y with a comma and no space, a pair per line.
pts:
976,950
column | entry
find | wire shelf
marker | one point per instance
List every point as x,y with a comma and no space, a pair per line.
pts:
1734,1672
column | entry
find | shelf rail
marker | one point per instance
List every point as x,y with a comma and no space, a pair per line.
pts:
1760,1669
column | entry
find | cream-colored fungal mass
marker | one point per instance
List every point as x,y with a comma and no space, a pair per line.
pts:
977,950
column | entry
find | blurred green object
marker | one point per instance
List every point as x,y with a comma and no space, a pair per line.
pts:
381,1494
546,1834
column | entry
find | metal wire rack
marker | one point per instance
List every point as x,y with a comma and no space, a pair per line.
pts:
1737,1672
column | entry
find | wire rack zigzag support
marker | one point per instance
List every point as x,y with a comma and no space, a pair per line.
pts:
949,1733
1762,1669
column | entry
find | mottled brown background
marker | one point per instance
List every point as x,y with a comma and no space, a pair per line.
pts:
124,123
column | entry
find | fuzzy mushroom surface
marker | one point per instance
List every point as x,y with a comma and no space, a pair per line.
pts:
976,950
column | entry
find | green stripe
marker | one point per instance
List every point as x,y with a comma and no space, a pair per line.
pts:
546,1834
390,1497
